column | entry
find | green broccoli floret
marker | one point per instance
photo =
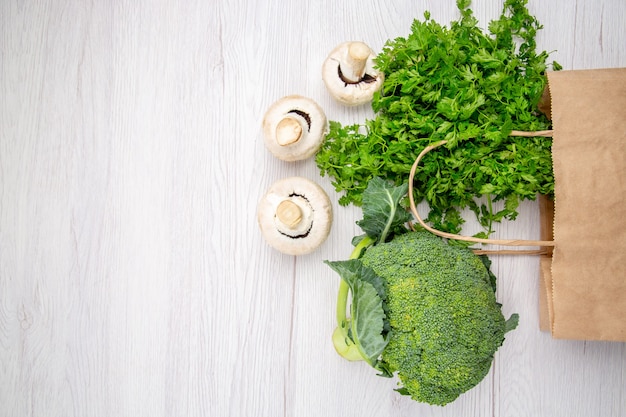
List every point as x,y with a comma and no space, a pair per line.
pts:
441,307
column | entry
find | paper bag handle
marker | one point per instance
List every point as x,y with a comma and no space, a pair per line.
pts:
503,242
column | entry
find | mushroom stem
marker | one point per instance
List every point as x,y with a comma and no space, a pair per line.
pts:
289,213
288,131
354,70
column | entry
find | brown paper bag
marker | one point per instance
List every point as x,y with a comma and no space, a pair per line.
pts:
584,278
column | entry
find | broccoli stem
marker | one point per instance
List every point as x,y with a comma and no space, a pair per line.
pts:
344,346
342,303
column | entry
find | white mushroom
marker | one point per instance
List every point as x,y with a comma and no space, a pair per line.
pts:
295,216
294,128
349,73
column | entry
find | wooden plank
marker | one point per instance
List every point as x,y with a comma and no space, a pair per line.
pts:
133,278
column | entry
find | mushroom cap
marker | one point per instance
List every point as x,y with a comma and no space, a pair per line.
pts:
295,216
294,128
341,61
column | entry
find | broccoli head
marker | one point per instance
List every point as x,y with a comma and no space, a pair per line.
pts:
421,309
445,323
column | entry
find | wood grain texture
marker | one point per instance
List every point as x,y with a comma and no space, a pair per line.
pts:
133,278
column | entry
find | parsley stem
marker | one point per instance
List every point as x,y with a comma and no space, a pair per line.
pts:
490,208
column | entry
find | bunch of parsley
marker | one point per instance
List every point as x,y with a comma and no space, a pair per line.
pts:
464,85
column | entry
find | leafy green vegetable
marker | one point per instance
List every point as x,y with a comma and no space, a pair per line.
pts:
383,214
421,309
363,335
468,87
366,312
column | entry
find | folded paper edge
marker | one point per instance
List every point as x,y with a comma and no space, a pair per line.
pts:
546,216
546,305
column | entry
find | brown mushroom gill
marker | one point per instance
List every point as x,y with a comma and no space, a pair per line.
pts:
300,236
367,79
304,115
290,214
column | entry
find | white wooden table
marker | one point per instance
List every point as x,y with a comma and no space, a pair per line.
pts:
133,277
